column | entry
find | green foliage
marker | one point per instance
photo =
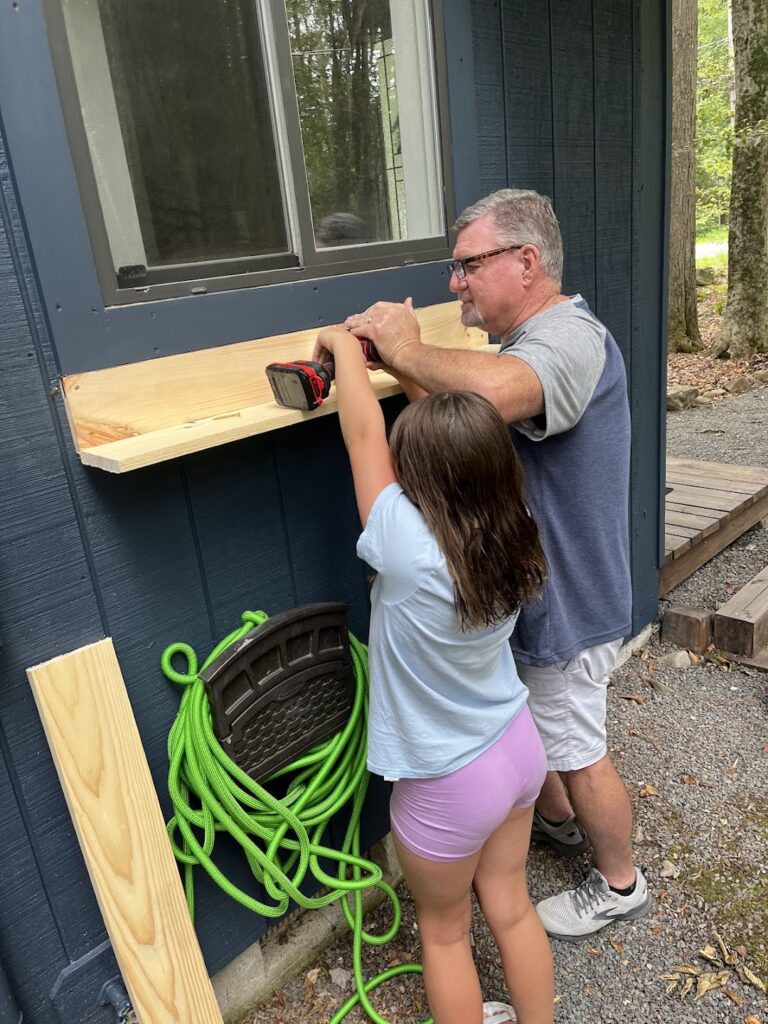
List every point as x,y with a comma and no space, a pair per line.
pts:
714,129
338,65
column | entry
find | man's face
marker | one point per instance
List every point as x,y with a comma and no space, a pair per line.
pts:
491,294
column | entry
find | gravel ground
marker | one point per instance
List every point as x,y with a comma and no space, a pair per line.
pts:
691,744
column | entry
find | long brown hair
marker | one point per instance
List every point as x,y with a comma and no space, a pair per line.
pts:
456,462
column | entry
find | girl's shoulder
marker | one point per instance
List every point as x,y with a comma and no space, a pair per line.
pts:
396,536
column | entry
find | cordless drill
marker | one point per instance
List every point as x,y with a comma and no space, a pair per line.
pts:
304,384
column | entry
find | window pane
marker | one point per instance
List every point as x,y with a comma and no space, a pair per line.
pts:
371,161
177,115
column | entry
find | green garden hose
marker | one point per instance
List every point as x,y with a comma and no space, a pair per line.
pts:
281,838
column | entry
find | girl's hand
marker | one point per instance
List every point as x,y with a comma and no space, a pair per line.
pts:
327,340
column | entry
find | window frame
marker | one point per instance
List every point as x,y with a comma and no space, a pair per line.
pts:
83,331
183,279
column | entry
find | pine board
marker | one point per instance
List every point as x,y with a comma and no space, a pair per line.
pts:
143,413
98,754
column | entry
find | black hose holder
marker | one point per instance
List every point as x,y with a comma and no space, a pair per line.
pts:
284,687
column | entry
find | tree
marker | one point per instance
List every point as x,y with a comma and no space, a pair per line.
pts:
714,127
682,314
745,324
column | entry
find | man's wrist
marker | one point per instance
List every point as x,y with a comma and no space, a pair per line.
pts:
395,359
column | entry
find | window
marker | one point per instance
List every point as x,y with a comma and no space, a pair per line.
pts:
250,137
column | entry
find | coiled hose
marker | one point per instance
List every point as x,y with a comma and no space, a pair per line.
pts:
281,838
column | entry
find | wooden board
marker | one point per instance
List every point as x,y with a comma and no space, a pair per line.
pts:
758,661
741,624
709,504
675,570
98,754
143,413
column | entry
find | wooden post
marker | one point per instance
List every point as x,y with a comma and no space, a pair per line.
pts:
687,627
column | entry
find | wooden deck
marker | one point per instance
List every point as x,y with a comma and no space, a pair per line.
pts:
709,505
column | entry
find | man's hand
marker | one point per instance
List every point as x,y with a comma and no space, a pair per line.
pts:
391,326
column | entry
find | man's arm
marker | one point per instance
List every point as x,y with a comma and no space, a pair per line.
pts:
507,382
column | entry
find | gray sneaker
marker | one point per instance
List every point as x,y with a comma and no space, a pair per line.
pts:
576,913
567,838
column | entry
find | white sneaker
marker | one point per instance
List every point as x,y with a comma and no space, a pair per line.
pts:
498,1013
576,913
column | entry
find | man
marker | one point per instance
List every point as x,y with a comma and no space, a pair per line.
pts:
559,381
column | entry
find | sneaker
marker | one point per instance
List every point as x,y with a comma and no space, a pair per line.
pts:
567,838
579,912
498,1013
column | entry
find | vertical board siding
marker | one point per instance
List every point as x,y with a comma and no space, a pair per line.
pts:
46,600
30,943
487,45
613,166
652,94
573,127
237,507
528,99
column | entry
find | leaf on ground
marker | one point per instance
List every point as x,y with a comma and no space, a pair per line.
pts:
747,976
671,977
710,981
591,990
594,952
765,749
751,1020
686,988
309,984
648,790
689,780
688,969
734,997
617,944
710,953
633,696
669,870
728,957
671,987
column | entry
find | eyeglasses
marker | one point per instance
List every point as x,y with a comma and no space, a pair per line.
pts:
460,267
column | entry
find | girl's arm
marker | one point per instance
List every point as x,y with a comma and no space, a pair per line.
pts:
362,421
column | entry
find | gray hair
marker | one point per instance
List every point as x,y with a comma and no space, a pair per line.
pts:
522,215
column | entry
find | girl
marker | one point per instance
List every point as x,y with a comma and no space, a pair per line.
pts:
447,530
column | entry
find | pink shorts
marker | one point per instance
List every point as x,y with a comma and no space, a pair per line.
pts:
450,817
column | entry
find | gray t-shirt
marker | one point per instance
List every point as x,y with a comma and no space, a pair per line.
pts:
576,462
439,696
568,372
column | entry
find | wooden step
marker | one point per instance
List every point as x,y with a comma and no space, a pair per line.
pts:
741,625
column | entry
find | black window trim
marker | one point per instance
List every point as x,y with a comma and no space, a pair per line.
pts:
182,279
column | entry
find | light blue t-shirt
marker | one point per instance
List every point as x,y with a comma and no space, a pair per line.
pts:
439,697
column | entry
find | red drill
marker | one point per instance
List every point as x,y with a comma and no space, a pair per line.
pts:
304,384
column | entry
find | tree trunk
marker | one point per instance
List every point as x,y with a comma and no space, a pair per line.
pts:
682,313
745,325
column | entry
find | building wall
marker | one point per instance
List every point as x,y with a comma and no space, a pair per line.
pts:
178,551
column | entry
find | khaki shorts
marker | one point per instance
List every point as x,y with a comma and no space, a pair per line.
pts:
568,704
